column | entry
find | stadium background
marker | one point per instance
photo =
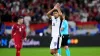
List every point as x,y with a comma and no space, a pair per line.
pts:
84,26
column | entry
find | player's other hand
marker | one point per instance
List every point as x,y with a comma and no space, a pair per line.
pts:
61,29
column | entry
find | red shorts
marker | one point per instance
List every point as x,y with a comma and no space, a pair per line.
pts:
18,43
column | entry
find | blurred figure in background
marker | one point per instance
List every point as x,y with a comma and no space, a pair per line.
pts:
2,28
2,37
48,30
27,20
45,18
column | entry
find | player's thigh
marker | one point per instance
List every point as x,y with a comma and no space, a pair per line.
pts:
54,42
59,42
18,44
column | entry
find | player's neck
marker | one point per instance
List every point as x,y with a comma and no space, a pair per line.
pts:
56,17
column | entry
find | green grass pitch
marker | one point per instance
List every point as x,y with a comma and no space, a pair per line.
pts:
75,51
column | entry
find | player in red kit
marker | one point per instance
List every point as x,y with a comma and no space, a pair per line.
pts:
18,34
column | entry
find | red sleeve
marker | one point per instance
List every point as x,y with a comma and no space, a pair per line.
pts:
13,30
24,34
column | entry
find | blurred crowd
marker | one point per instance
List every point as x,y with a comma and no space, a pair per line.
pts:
75,10
34,11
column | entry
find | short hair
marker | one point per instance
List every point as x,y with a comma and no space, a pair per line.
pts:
21,17
55,10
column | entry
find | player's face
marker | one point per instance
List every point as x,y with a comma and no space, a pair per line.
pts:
55,14
21,21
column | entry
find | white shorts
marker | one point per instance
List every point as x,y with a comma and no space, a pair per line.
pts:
56,42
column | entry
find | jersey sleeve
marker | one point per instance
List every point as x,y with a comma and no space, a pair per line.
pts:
24,33
13,31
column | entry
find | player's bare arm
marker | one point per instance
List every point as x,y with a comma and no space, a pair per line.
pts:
49,13
59,10
60,13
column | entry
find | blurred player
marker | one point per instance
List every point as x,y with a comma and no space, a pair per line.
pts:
18,34
56,22
65,36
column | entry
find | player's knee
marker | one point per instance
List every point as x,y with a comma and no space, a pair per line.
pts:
15,46
52,52
56,50
18,51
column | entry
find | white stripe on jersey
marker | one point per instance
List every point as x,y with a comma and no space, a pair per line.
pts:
55,26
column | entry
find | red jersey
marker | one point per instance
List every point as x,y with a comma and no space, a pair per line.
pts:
18,31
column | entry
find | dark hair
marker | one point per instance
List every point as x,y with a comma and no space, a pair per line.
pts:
66,17
20,17
55,10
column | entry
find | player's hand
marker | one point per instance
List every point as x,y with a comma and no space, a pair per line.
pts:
25,39
61,29
12,39
57,6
